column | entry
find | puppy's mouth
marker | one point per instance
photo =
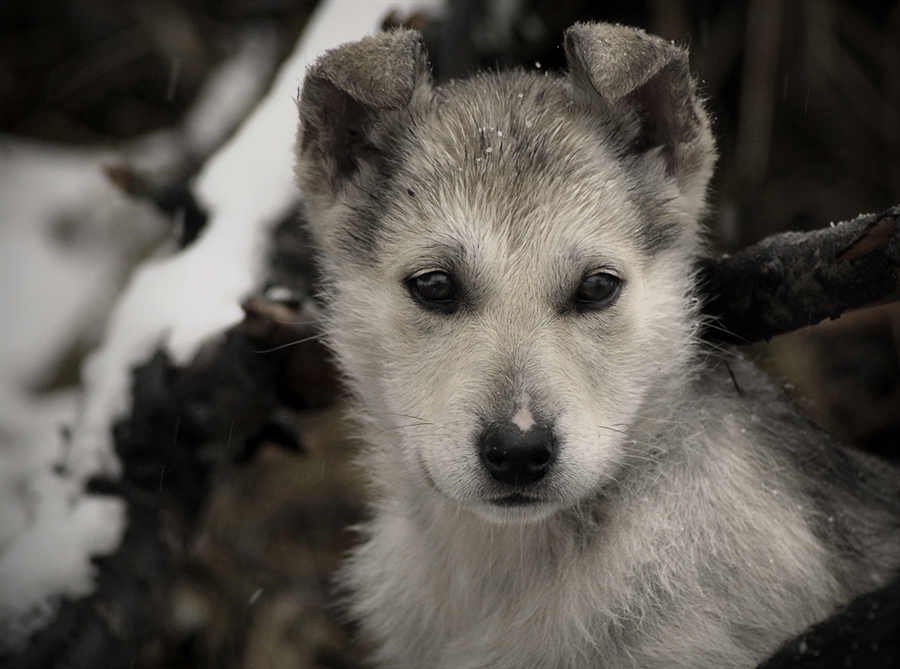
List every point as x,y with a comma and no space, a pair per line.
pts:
517,507
516,500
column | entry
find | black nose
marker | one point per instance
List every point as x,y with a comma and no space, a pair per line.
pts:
516,457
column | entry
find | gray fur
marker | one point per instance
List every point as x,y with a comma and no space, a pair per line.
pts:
691,518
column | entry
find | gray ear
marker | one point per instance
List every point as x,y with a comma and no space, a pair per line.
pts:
347,101
647,84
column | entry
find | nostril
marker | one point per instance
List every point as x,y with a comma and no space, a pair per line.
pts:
540,459
495,456
516,457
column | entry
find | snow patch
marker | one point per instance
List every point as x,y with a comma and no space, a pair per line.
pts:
68,237
48,561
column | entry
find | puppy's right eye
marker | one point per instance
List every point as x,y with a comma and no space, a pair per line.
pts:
597,291
435,290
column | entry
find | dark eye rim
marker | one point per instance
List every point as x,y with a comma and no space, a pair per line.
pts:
589,305
448,305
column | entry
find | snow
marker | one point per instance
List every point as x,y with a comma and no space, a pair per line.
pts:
48,527
67,232
67,238
49,559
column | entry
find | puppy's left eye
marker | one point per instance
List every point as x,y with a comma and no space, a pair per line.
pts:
435,290
597,291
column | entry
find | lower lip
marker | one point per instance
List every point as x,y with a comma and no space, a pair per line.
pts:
513,501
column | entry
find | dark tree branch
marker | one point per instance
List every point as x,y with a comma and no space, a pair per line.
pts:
864,633
793,280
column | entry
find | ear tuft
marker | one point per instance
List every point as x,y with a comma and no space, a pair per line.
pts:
348,110
616,59
379,71
644,83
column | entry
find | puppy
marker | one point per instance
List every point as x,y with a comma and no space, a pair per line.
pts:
563,475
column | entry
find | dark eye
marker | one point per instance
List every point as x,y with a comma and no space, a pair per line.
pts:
435,290
597,291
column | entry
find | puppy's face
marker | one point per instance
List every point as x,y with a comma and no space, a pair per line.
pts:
508,271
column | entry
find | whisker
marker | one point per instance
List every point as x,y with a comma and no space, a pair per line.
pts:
612,429
630,447
290,343
400,427
438,435
410,416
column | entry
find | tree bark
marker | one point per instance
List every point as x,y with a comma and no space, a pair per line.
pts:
793,280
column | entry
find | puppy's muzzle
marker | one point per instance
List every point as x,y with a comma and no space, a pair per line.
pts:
517,457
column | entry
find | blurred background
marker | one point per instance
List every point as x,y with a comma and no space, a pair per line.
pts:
805,96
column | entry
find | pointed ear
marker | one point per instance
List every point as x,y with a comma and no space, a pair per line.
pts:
349,97
646,83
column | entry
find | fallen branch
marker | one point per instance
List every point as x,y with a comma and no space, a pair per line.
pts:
796,279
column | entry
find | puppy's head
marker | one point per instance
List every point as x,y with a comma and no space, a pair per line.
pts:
507,258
